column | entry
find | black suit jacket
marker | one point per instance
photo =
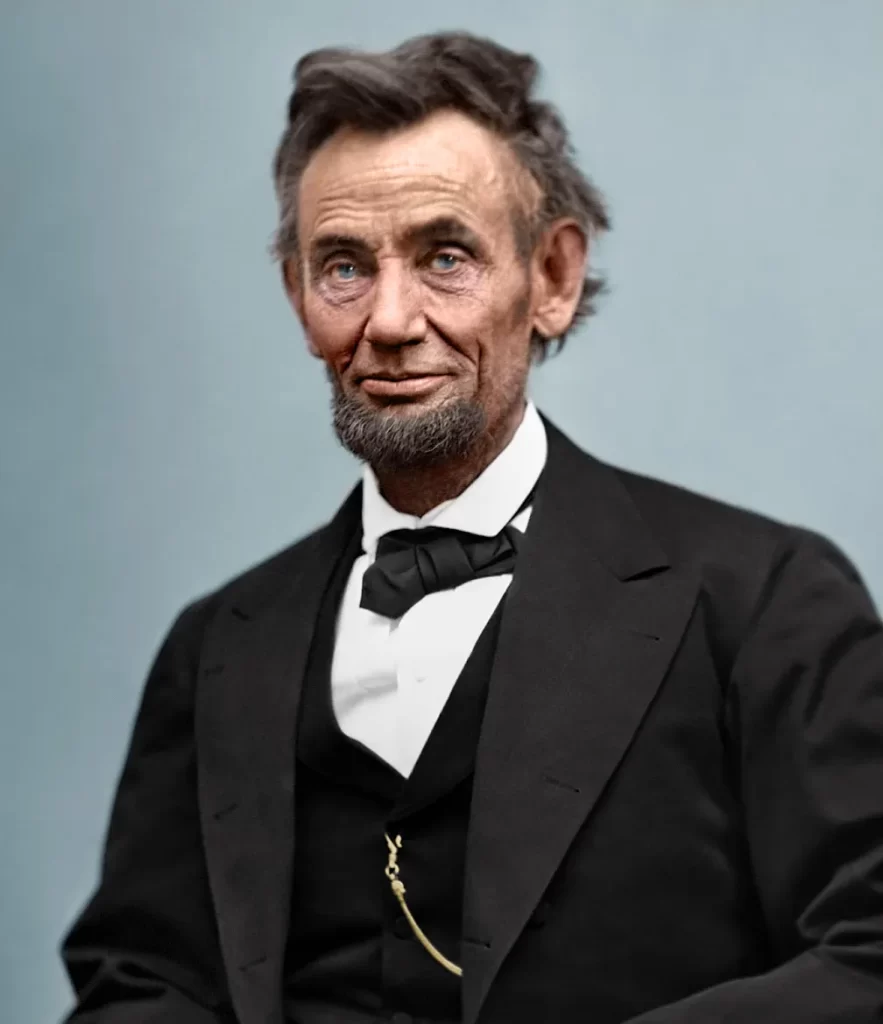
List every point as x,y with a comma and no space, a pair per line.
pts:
678,805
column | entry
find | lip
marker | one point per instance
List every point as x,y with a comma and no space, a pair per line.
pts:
402,387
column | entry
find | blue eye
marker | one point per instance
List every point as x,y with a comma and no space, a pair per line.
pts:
450,260
345,271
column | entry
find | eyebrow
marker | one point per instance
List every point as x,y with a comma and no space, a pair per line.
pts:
448,229
324,245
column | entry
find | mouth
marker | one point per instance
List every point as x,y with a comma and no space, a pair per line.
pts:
411,386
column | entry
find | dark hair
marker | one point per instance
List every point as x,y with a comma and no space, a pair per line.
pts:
336,88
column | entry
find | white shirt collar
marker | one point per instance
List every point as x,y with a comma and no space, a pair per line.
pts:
487,504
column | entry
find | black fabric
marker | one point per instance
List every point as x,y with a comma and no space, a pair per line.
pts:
350,950
413,563
677,813
409,564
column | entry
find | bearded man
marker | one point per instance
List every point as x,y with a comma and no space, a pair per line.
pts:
518,736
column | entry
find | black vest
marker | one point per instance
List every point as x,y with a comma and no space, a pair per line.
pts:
351,955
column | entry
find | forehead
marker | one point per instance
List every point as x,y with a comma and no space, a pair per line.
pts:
445,165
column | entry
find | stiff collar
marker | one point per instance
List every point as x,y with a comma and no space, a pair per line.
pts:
487,504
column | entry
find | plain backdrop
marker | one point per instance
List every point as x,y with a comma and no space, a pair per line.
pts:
163,427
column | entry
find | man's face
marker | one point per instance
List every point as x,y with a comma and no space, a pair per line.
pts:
412,289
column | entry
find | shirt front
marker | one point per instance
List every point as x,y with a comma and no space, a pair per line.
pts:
390,678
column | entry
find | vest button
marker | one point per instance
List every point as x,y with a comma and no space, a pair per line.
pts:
401,929
539,917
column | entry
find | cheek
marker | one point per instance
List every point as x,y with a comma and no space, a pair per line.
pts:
505,348
333,331
466,316
464,325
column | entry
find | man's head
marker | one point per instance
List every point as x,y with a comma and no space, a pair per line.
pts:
434,232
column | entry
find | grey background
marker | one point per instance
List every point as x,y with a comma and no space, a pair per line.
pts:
162,427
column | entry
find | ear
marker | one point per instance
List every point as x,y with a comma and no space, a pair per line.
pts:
559,271
292,279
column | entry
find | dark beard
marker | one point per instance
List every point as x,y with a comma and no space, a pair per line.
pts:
389,442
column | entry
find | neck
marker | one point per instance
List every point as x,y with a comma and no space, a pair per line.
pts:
417,490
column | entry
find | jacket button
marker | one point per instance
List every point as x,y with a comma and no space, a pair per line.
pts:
402,1018
401,929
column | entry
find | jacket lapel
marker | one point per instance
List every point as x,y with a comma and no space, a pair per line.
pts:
251,671
593,617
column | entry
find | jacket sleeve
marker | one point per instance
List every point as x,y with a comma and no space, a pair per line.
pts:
806,719
145,949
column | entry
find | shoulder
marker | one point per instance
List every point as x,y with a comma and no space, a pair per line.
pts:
744,561
692,526
698,528
693,530
243,593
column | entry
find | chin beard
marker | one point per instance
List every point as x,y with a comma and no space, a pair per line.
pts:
387,441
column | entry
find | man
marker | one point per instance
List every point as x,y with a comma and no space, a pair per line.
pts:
518,736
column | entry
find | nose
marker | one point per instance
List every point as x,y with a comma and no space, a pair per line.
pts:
396,317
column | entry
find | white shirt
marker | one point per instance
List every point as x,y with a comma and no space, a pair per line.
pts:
390,678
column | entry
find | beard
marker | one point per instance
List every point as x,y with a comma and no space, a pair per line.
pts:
389,442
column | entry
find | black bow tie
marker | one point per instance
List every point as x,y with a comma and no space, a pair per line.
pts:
413,563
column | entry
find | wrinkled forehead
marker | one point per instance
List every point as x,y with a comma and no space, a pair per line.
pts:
445,165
